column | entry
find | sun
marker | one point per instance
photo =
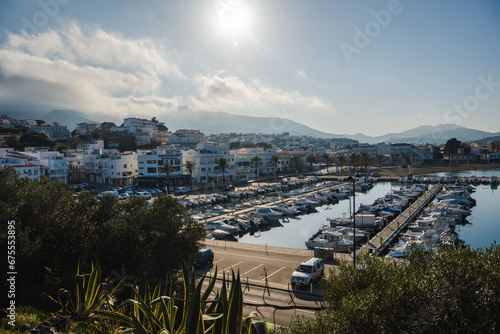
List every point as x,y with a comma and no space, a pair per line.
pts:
234,19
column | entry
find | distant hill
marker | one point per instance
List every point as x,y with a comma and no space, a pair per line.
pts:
427,134
220,122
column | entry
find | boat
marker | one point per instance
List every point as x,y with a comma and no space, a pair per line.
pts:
286,209
267,213
329,239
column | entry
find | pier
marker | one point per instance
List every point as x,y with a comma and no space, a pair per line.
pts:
381,240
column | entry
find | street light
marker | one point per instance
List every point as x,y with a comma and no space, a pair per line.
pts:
353,180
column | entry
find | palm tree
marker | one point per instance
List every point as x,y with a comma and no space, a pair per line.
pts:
256,161
167,169
327,159
296,161
275,159
365,157
222,165
353,160
311,159
340,160
190,166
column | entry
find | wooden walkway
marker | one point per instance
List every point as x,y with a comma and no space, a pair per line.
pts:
379,242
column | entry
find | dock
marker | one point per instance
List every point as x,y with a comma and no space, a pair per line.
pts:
388,234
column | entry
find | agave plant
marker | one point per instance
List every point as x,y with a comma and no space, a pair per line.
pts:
90,295
156,313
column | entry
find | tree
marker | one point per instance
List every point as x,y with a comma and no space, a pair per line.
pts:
340,161
190,166
451,291
275,159
380,160
311,159
256,161
327,159
296,161
36,139
452,146
353,160
167,169
55,231
365,157
222,165
13,142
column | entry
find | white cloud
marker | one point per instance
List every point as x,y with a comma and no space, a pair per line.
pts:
229,93
302,74
109,75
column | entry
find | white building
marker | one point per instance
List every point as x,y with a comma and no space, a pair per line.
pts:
86,128
119,169
371,150
206,155
53,131
243,163
187,137
24,165
53,164
150,163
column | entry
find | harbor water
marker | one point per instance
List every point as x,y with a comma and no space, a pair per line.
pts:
482,229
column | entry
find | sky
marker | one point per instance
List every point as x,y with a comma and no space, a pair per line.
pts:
343,67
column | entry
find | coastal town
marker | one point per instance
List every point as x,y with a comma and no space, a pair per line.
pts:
134,153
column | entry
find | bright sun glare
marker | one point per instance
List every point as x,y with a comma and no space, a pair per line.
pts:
233,20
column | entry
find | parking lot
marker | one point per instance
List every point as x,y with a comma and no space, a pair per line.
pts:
257,264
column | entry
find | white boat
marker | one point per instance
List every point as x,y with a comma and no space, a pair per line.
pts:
340,193
286,209
222,226
267,212
233,194
330,239
220,234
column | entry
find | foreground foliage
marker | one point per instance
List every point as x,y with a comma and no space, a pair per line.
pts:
160,310
456,290
55,231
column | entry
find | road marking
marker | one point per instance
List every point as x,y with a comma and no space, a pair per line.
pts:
260,257
305,311
260,265
230,267
218,261
273,273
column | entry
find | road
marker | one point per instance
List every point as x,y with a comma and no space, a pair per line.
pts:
260,264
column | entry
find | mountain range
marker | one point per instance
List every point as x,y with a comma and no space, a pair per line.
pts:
218,122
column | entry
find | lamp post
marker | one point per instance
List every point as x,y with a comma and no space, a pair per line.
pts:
353,180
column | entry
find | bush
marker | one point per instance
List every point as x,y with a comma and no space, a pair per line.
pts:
454,290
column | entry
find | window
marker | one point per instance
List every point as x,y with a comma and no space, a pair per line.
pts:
151,162
203,169
125,166
151,170
160,163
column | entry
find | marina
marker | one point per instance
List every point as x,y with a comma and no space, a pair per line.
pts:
292,227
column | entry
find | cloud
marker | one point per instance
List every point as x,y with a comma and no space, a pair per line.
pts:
109,75
229,93
302,74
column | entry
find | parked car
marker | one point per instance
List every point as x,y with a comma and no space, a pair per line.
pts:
307,272
229,187
181,190
205,256
144,194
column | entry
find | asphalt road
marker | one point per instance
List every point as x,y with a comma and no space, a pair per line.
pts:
260,266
